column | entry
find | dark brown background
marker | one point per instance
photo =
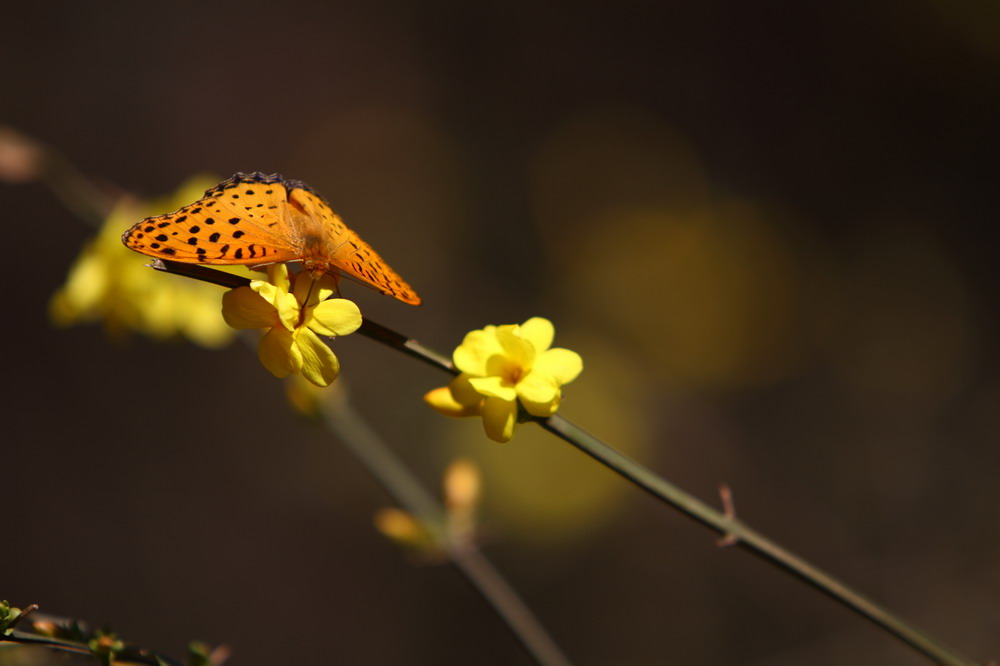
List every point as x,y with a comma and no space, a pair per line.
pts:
763,225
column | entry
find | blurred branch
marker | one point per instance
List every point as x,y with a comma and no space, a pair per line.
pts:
24,159
404,488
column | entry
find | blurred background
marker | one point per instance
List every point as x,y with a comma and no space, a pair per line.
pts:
763,225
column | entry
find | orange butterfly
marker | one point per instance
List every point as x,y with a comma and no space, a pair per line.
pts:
256,219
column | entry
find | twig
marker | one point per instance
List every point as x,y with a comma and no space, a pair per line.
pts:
729,511
694,508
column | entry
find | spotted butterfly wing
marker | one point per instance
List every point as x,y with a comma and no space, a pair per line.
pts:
328,242
257,219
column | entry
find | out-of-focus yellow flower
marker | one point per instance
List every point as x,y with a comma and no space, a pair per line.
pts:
504,365
305,397
462,487
296,310
404,529
432,536
110,283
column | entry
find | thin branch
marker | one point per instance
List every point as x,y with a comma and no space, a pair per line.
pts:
729,511
694,508
408,346
203,273
750,539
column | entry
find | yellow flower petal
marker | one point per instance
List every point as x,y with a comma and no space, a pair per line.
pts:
111,283
304,396
562,364
289,311
539,394
403,529
277,274
319,364
277,295
89,281
517,350
308,292
328,286
305,289
244,308
442,400
462,485
279,353
503,368
499,419
198,319
464,392
493,387
476,350
539,331
337,316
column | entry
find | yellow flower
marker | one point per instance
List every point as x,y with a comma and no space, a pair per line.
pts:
296,311
504,365
110,283
433,536
407,531
462,485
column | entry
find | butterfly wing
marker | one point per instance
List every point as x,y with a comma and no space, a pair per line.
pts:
242,220
346,252
256,219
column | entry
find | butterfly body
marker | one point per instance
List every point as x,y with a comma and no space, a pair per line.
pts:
257,219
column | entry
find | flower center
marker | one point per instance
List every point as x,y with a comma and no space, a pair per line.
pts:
511,374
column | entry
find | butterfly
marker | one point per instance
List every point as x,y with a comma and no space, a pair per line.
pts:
256,219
